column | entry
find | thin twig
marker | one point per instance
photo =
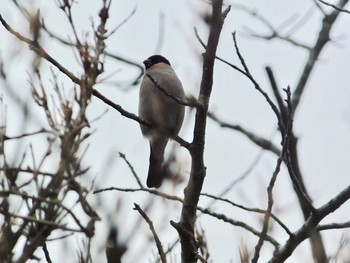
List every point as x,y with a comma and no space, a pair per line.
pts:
243,175
233,222
108,54
217,57
122,23
121,155
277,94
45,222
268,214
120,109
262,142
333,226
134,117
46,253
256,85
334,6
274,31
154,233
166,93
198,170
35,46
201,209
314,53
47,201
304,232
5,137
256,210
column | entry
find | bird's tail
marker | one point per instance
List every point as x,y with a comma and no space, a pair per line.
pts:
155,173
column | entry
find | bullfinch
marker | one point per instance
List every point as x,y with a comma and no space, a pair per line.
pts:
163,112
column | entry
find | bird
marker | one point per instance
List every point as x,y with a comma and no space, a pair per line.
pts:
160,95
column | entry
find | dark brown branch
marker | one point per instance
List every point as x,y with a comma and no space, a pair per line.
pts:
26,170
134,117
262,142
35,46
257,86
201,209
46,253
219,58
292,158
268,214
48,201
243,175
334,6
246,73
298,183
121,155
277,94
293,164
255,210
176,99
333,226
283,252
334,203
45,212
122,22
304,199
224,218
120,109
314,53
108,54
275,32
154,233
178,199
46,222
5,137
198,169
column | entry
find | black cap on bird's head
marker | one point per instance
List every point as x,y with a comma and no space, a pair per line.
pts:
154,60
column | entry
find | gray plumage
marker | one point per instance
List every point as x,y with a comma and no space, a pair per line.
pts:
162,111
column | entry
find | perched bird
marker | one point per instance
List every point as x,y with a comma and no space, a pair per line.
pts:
161,110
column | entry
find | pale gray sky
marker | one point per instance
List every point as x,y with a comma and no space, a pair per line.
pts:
322,121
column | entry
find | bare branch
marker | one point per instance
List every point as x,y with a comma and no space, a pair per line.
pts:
122,23
333,226
224,218
243,175
334,203
257,86
201,209
261,142
120,109
154,233
121,155
255,210
275,32
198,170
48,201
277,94
322,40
305,231
46,253
35,46
286,143
219,58
45,222
176,99
134,117
334,6
5,137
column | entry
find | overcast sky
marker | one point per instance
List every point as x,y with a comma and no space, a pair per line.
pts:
322,121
